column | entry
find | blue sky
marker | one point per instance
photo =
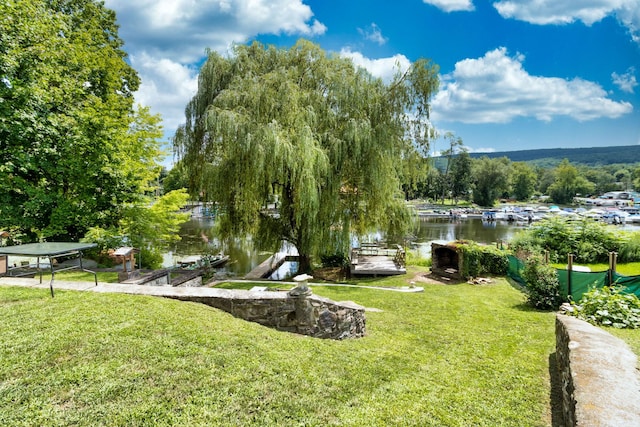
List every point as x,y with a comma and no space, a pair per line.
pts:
515,74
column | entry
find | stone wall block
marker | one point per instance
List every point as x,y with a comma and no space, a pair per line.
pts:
599,376
308,315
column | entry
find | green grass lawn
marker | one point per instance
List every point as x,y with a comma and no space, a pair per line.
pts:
627,269
454,355
82,276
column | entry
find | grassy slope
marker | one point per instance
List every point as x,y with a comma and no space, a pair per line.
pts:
456,355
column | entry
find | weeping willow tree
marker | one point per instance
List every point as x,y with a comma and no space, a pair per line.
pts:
323,138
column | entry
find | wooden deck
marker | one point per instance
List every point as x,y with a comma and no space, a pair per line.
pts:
376,265
267,267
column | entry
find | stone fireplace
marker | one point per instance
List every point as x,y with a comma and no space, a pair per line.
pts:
446,260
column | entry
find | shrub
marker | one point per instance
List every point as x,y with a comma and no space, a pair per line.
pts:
478,260
543,287
524,244
607,306
150,258
588,240
629,250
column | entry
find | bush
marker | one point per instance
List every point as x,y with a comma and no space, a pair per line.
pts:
629,250
588,240
607,306
150,258
478,260
543,287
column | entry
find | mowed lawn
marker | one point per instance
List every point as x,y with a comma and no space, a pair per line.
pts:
454,355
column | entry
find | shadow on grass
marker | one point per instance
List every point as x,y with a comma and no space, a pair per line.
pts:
516,285
523,306
555,392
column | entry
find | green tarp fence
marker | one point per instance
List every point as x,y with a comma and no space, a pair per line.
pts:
581,282
514,270
629,284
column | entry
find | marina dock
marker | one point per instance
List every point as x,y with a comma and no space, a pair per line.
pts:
267,267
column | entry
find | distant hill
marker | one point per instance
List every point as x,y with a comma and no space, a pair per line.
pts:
593,156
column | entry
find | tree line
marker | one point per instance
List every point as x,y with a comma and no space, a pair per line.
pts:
589,156
486,180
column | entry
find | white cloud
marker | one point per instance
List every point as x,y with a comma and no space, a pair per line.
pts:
452,5
373,34
627,81
497,89
166,85
182,29
629,15
545,12
384,68
167,40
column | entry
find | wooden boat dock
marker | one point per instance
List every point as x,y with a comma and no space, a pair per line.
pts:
373,260
268,266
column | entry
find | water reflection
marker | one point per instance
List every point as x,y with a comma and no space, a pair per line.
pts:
198,237
444,230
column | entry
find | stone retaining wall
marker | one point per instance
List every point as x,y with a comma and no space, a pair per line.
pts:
309,315
600,380
164,277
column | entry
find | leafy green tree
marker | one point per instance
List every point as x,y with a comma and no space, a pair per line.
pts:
603,180
460,175
523,181
73,148
324,137
546,176
491,179
624,177
431,188
568,183
413,175
176,179
150,227
455,143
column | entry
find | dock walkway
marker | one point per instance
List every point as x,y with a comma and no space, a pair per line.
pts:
376,265
267,267
372,260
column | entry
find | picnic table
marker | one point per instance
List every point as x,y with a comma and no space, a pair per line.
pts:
49,250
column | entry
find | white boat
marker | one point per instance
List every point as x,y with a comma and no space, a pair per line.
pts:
615,217
200,261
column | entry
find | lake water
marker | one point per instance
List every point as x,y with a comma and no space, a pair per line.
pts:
444,230
198,237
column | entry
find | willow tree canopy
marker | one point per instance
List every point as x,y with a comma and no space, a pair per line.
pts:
325,139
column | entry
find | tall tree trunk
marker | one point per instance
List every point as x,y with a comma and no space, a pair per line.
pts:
304,263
